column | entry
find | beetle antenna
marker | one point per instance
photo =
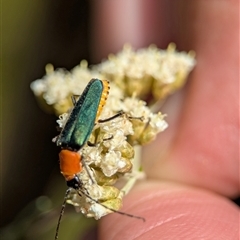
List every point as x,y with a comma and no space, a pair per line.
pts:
80,191
62,212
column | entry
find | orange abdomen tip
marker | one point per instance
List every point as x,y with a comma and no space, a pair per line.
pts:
70,163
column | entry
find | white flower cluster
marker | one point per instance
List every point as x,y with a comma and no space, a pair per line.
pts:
108,195
148,70
57,87
145,72
113,151
159,64
134,77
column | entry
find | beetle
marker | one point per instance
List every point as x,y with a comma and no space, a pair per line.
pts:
75,134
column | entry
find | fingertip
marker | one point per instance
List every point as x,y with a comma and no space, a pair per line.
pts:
172,212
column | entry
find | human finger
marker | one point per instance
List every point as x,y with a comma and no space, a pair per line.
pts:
172,212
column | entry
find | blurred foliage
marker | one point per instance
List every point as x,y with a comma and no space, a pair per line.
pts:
35,33
38,220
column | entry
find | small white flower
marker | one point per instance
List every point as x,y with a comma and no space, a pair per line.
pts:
98,211
55,82
38,87
157,122
92,154
111,162
62,119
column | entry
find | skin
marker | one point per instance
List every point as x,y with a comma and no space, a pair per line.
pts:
193,167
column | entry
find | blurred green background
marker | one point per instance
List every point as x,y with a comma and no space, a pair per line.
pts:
35,33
